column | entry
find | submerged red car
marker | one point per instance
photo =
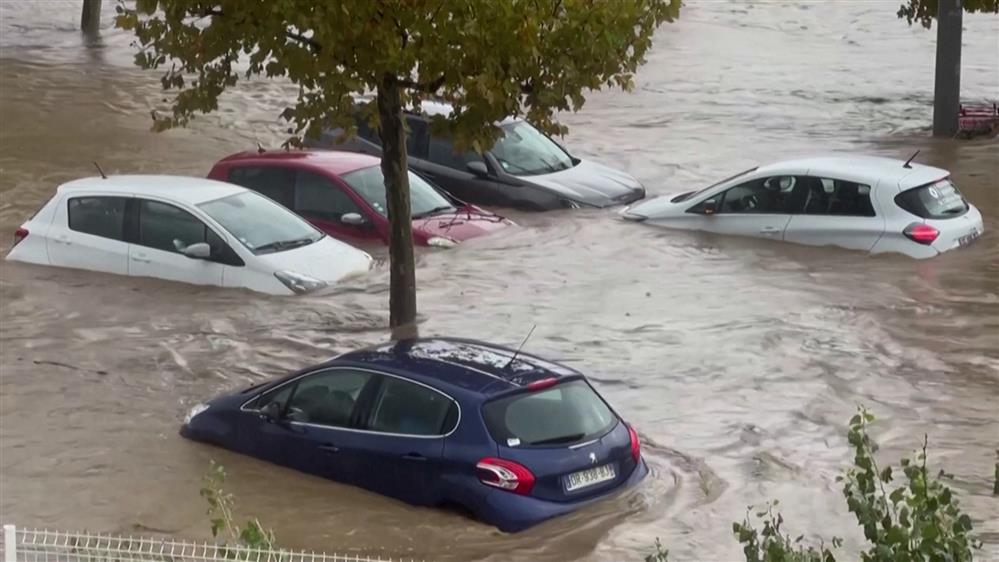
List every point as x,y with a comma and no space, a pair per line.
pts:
343,194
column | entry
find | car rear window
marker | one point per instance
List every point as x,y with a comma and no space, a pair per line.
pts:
564,414
938,200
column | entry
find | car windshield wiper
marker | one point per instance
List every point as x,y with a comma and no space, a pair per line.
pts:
433,211
279,245
561,439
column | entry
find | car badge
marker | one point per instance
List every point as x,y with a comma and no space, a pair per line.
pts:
512,442
593,458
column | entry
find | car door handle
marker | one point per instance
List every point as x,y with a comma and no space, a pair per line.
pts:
63,240
770,230
414,457
141,259
329,448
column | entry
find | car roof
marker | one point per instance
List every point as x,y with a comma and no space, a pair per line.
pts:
866,169
430,108
336,161
176,188
453,363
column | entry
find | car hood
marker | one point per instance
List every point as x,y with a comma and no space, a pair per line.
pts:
327,259
460,225
658,207
591,183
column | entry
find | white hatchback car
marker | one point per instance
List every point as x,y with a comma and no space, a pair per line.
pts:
184,229
862,203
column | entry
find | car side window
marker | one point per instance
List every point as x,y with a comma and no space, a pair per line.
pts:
169,228
277,396
827,196
411,409
275,182
417,137
99,216
441,151
327,398
319,197
760,196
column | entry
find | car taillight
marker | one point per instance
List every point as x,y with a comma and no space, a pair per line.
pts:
20,234
505,475
542,384
636,445
921,233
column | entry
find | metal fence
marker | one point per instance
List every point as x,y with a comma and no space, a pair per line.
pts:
33,545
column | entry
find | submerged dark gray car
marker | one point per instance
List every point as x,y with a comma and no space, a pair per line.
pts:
525,169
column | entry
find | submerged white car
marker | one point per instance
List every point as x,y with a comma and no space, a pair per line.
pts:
184,229
861,203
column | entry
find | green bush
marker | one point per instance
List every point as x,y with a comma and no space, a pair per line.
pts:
919,520
251,536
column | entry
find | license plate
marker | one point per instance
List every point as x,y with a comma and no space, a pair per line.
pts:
589,477
968,238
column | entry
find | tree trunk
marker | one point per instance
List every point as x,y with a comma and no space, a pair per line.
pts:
90,19
947,88
402,282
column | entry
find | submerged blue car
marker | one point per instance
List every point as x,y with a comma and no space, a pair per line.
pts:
512,438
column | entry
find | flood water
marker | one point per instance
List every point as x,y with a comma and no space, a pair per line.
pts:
739,361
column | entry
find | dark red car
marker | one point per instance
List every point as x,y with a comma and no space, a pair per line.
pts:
343,194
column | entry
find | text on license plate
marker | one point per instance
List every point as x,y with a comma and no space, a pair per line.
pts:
589,477
968,238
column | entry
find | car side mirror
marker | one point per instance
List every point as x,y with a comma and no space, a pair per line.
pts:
478,168
271,412
198,251
710,207
353,219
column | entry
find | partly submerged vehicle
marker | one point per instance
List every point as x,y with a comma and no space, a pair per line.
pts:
184,229
510,437
861,203
525,169
343,194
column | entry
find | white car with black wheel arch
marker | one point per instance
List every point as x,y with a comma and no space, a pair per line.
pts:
861,203
184,229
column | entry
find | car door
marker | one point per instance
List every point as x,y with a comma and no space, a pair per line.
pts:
759,208
403,446
435,158
88,232
320,421
836,212
324,203
163,230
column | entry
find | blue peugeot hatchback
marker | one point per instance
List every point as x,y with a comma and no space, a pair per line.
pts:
512,438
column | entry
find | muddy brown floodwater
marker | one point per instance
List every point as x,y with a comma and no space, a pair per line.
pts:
738,360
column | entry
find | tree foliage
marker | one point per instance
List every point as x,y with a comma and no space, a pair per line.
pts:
489,58
925,11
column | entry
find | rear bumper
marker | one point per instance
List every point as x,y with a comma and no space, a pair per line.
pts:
512,513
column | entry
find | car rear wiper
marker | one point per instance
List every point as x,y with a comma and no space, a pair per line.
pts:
561,439
433,211
278,245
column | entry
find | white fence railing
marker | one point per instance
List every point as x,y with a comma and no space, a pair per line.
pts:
33,545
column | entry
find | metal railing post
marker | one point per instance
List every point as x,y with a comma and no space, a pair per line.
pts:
9,543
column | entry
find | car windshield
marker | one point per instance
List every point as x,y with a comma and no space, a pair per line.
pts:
938,200
525,151
424,200
694,194
260,224
561,415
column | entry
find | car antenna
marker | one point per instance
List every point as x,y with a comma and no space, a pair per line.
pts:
260,148
98,166
516,353
909,161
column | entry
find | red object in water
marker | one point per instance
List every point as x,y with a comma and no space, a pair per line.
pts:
20,234
978,119
275,175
